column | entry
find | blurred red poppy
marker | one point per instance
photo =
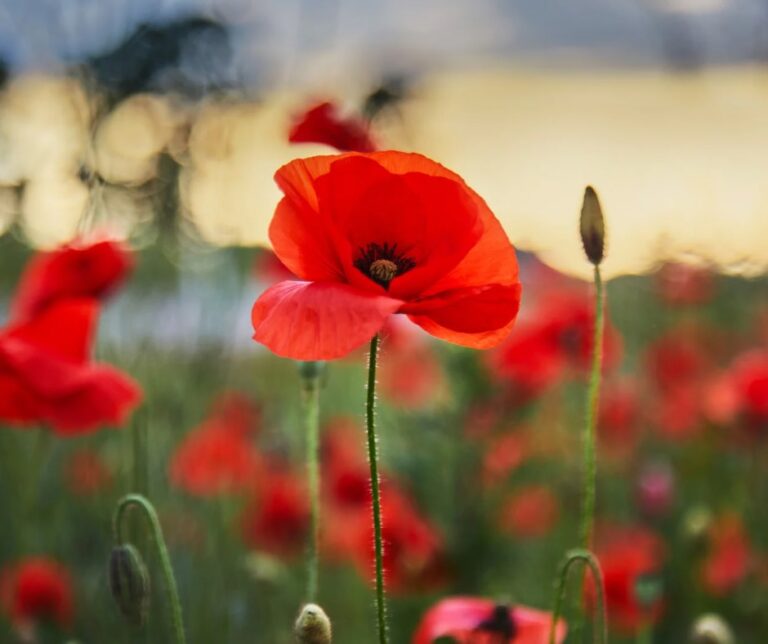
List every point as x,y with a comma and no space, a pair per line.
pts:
414,554
556,337
94,270
277,518
37,589
684,284
629,557
530,512
268,268
322,123
377,234
473,620
504,455
409,371
46,375
86,473
730,557
618,418
740,395
217,457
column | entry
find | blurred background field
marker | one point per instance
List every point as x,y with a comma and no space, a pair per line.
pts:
162,125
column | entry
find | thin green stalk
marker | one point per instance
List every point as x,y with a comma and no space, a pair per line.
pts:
585,556
593,396
140,444
370,417
310,372
171,588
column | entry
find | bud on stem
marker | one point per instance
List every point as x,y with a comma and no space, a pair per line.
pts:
312,626
129,583
592,227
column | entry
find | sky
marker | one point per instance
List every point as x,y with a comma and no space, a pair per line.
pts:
290,42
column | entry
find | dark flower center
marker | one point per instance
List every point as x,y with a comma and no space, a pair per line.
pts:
382,263
499,623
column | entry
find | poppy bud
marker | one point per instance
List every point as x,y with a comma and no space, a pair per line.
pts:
592,226
711,629
312,626
129,583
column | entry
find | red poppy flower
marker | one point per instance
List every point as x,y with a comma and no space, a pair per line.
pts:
730,557
618,418
414,556
37,589
683,284
556,338
504,455
473,620
322,123
277,518
46,375
741,394
409,371
530,512
216,458
86,473
628,556
71,271
382,233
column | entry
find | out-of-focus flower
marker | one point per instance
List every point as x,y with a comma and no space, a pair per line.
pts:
409,371
86,473
503,455
628,557
93,270
530,512
740,395
618,417
555,338
427,246
322,123
277,518
711,629
414,554
655,489
35,590
215,458
679,366
46,375
474,620
684,284
730,557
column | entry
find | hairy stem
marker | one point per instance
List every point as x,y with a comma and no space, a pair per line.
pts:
310,372
370,417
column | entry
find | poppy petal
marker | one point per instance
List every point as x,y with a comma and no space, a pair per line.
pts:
318,320
475,317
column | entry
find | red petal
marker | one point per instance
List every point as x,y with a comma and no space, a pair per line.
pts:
478,317
323,124
318,320
90,271
64,329
431,220
105,397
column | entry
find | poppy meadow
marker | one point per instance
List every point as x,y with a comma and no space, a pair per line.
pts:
377,409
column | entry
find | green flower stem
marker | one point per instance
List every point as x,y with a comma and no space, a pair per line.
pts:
585,556
172,591
593,396
140,444
370,416
310,372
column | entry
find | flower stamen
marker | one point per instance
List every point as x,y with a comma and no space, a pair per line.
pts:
382,263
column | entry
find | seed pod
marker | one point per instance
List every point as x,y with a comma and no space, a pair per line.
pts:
592,226
312,626
711,629
129,583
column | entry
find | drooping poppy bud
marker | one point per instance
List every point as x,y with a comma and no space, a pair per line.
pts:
592,226
129,583
711,629
312,626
